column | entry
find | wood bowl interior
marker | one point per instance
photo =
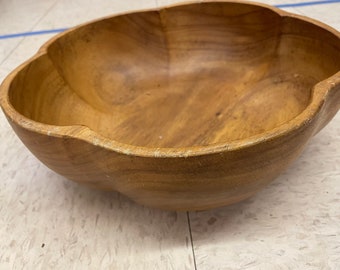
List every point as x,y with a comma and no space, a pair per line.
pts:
182,76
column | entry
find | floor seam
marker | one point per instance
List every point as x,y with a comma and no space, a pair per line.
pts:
191,240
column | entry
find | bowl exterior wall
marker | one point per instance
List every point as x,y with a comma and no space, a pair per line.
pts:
172,183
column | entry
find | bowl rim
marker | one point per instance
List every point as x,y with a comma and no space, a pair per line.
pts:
319,94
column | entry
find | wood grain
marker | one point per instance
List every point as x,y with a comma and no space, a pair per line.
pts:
187,107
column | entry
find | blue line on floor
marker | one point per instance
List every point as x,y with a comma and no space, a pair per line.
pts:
52,31
33,33
311,3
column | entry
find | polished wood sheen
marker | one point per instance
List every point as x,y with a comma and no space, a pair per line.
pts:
187,107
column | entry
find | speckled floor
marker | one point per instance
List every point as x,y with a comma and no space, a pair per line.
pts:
48,222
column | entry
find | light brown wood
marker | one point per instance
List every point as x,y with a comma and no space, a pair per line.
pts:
187,107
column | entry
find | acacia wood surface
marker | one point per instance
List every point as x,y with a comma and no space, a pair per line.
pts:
187,107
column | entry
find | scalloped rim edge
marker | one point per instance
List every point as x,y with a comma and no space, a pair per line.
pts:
318,97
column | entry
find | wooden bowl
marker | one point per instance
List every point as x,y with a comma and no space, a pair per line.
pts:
186,107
